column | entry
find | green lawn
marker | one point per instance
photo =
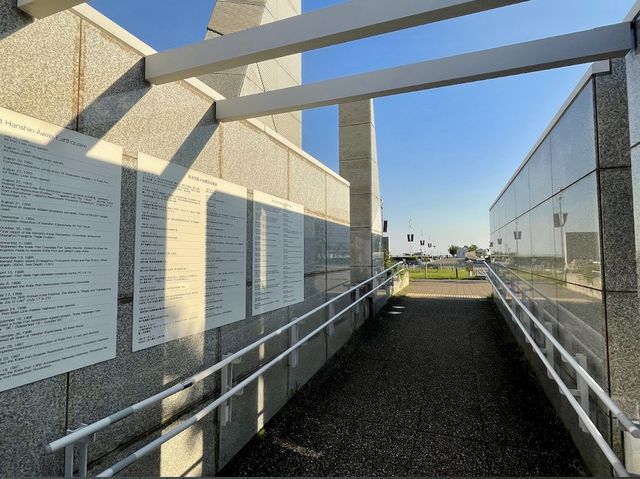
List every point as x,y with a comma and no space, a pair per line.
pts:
444,273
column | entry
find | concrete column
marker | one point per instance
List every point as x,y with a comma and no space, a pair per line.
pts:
359,165
625,367
231,16
633,92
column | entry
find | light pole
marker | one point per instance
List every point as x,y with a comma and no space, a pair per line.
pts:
410,238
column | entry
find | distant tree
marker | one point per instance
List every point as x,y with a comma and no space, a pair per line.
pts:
388,260
472,248
453,250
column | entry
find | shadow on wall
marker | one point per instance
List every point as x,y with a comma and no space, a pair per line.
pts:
101,389
98,390
8,27
160,366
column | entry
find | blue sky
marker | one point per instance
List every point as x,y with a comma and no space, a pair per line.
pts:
444,154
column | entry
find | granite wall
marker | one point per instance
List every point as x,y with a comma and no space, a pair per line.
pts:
71,72
563,237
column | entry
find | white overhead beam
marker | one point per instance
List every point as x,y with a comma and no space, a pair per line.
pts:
44,8
329,26
603,43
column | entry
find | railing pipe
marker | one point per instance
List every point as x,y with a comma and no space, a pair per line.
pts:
560,306
586,420
622,418
143,451
96,426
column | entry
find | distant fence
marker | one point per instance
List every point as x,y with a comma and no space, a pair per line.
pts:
461,270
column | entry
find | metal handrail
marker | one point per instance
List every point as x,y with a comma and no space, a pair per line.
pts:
615,410
143,451
561,309
560,306
88,430
623,419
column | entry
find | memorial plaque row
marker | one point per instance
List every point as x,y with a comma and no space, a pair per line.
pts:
59,248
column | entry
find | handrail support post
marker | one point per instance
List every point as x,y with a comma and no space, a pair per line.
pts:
68,459
294,337
331,328
549,349
226,384
83,454
582,389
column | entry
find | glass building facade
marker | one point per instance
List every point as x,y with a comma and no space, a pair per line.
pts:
561,235
546,235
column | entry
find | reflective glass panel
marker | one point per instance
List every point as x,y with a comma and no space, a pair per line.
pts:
577,234
522,242
510,204
581,321
540,186
542,239
521,186
573,142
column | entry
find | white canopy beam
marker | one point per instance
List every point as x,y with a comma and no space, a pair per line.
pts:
603,43
44,8
329,26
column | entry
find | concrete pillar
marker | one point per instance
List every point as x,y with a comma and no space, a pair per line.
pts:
230,16
627,389
359,165
633,92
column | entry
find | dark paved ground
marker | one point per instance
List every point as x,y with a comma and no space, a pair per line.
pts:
434,387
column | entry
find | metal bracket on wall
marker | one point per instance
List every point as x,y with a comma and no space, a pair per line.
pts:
226,384
331,329
294,337
83,455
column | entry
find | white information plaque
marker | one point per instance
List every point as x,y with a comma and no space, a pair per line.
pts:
278,253
59,234
191,250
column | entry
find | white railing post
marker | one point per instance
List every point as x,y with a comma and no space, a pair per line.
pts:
68,458
226,384
582,389
548,348
83,455
294,337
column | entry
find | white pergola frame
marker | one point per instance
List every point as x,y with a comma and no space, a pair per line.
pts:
359,19
602,43
45,8
345,22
